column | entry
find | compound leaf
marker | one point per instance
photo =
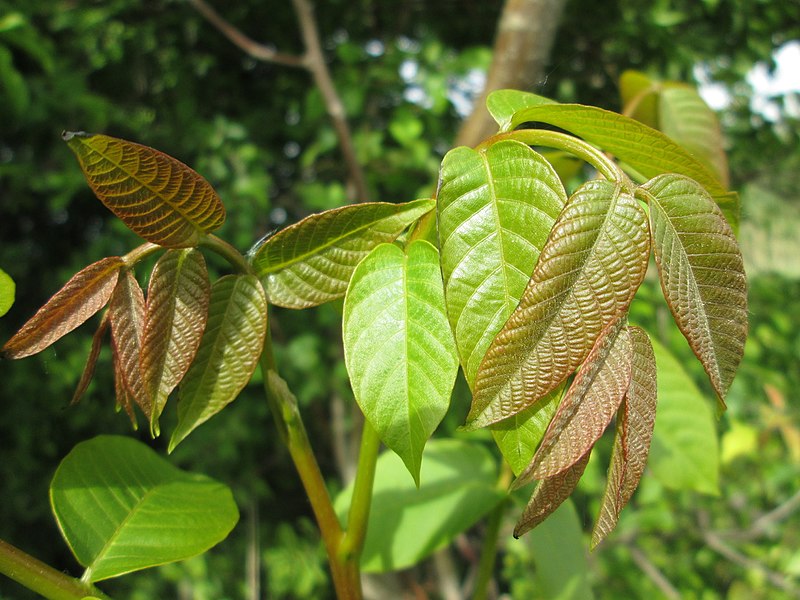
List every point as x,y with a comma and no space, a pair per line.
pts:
495,210
398,347
126,314
647,150
310,262
228,353
702,274
158,197
175,317
587,407
587,274
634,431
549,494
122,508
80,298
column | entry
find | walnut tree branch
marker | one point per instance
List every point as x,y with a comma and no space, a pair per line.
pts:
313,61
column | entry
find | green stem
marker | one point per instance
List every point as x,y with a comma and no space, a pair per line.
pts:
226,251
489,547
140,252
353,542
41,578
569,143
283,405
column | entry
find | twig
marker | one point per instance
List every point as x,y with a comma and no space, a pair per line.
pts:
239,39
762,524
654,573
313,61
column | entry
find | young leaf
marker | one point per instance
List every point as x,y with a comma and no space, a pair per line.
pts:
459,486
228,353
592,264
156,196
126,313
549,494
175,317
635,421
7,289
518,436
398,347
647,150
495,209
688,120
684,454
702,274
80,298
310,263
91,361
587,407
123,396
504,104
122,508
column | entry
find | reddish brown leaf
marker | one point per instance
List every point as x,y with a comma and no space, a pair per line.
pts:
587,407
126,313
549,494
635,420
175,318
81,297
124,399
157,196
91,361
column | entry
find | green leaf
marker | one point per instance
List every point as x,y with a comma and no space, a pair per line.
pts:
158,197
504,104
639,97
126,314
518,436
7,292
228,353
592,264
688,120
684,453
175,317
559,554
702,274
549,494
587,407
122,508
495,210
81,297
632,437
310,263
398,347
406,523
647,150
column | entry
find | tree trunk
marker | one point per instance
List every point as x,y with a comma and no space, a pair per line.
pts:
525,35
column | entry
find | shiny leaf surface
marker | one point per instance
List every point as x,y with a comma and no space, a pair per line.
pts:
495,210
310,262
7,291
126,314
398,347
122,508
80,298
634,431
548,496
228,353
587,407
175,317
587,274
504,104
156,196
702,274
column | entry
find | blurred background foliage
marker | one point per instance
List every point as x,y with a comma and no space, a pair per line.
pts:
408,72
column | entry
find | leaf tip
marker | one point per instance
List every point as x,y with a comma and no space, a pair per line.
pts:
68,135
